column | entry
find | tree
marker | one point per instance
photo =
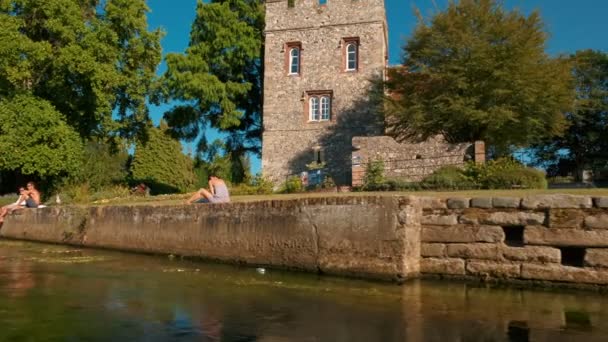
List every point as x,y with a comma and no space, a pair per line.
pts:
160,163
218,79
103,165
90,62
585,142
478,72
36,140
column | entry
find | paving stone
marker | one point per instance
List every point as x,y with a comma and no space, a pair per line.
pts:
514,218
481,202
458,203
556,201
506,202
535,235
601,202
429,202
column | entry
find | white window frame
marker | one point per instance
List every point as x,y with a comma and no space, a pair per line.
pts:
314,109
319,108
295,59
325,108
352,56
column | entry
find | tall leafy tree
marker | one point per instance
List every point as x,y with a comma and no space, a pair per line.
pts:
476,71
585,142
90,60
218,79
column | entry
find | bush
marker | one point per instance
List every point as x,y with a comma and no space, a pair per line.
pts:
449,178
258,186
525,178
374,176
293,184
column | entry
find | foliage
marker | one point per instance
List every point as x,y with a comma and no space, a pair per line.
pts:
35,139
585,142
478,72
449,178
218,79
293,184
315,166
103,165
505,173
90,62
161,165
257,186
374,174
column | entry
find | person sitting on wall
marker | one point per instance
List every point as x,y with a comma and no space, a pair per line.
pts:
217,193
33,196
20,203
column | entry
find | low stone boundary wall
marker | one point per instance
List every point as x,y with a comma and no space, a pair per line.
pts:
557,238
551,238
374,237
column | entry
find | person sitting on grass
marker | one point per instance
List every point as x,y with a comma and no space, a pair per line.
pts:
20,203
217,193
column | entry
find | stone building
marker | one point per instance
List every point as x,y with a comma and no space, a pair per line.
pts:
321,60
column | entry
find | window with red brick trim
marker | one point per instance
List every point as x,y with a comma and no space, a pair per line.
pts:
319,106
350,53
293,58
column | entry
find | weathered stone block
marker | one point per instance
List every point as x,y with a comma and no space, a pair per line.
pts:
481,202
514,218
429,202
532,254
458,203
564,273
601,202
462,233
506,202
484,251
596,257
439,220
493,269
442,266
597,221
433,250
534,235
556,201
565,218
410,215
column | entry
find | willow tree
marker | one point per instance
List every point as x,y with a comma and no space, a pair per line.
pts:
476,71
218,79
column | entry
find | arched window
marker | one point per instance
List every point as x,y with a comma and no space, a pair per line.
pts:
325,108
294,61
351,56
314,109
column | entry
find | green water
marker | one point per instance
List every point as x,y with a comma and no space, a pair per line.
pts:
58,293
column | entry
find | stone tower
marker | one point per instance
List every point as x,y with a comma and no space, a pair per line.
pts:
320,59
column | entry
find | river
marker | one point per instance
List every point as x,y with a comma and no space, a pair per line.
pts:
59,293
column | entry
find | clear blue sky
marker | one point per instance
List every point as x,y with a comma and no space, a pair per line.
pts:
572,25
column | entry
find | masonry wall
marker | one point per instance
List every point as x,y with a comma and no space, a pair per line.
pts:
289,139
409,161
556,238
372,237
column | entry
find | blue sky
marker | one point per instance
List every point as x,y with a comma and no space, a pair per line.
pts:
572,25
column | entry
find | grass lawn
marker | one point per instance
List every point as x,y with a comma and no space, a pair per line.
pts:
179,199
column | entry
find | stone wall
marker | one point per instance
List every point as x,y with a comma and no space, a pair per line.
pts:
374,237
289,138
410,161
556,238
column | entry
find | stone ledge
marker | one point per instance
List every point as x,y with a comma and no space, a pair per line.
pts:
556,201
484,251
532,254
439,220
506,202
564,273
432,250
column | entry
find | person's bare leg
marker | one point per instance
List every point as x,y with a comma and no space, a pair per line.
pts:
200,194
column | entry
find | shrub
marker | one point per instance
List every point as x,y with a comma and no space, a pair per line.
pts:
258,186
449,178
526,178
374,176
293,184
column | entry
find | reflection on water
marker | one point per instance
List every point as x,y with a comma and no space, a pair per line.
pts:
60,293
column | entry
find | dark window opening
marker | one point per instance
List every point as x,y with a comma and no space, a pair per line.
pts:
573,256
514,236
291,3
418,156
518,331
322,2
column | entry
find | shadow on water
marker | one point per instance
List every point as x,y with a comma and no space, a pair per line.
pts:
57,293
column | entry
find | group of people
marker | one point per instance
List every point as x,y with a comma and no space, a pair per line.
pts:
29,197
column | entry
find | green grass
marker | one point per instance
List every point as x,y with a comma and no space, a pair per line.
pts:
181,198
